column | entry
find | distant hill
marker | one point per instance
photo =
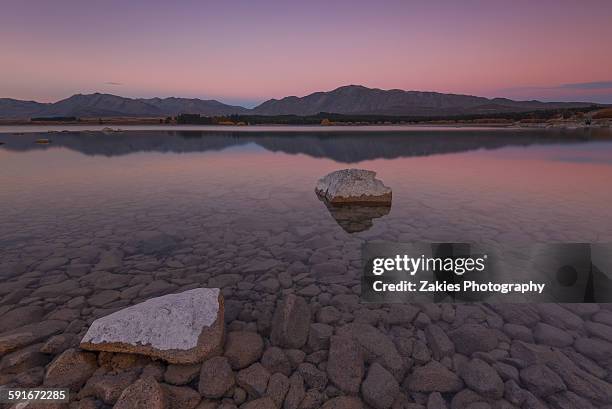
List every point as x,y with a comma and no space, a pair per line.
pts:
359,100
351,100
107,105
14,108
174,106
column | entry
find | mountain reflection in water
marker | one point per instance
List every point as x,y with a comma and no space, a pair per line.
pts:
341,146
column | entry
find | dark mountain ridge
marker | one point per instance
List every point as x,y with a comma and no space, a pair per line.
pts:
108,105
359,100
351,99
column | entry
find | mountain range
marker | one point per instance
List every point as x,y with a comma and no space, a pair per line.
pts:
107,105
350,100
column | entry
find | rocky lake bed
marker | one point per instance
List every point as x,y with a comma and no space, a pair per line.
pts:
295,336
95,235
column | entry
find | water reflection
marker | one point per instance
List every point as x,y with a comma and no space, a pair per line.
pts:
356,218
343,146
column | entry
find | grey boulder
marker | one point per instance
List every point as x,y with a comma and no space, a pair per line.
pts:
184,328
353,186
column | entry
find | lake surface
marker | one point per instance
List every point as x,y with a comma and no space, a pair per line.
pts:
125,216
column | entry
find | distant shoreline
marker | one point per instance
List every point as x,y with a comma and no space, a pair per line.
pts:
530,120
22,128
566,118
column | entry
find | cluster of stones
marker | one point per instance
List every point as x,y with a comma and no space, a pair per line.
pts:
296,296
311,352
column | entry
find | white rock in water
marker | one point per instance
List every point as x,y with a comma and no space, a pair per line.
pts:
182,328
353,186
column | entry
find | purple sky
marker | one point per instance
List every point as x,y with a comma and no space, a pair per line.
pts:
248,51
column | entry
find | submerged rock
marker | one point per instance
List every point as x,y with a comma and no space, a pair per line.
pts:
379,388
291,322
254,380
153,242
482,378
216,378
29,334
182,328
375,346
242,348
433,377
70,370
278,386
145,393
346,365
343,402
353,186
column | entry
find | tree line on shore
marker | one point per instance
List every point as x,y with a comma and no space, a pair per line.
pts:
326,118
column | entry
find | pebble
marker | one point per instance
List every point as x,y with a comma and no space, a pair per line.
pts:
471,338
181,397
278,385
275,360
313,377
482,378
181,374
319,335
70,370
295,393
344,402
548,335
440,343
291,322
599,330
21,315
254,380
346,365
379,388
433,377
541,380
216,378
242,348
145,393
559,317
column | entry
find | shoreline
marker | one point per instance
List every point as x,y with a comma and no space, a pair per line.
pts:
21,128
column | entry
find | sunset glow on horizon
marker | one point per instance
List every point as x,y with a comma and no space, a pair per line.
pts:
243,52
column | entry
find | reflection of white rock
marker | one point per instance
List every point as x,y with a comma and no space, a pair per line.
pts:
179,328
353,186
356,218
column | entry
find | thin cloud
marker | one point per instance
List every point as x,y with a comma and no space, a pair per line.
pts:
112,83
574,86
588,85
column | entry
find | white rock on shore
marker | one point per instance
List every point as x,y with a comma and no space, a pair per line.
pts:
182,328
354,186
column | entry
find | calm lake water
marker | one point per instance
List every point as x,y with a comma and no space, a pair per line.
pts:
130,215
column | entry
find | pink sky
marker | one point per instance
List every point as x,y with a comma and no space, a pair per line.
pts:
249,51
